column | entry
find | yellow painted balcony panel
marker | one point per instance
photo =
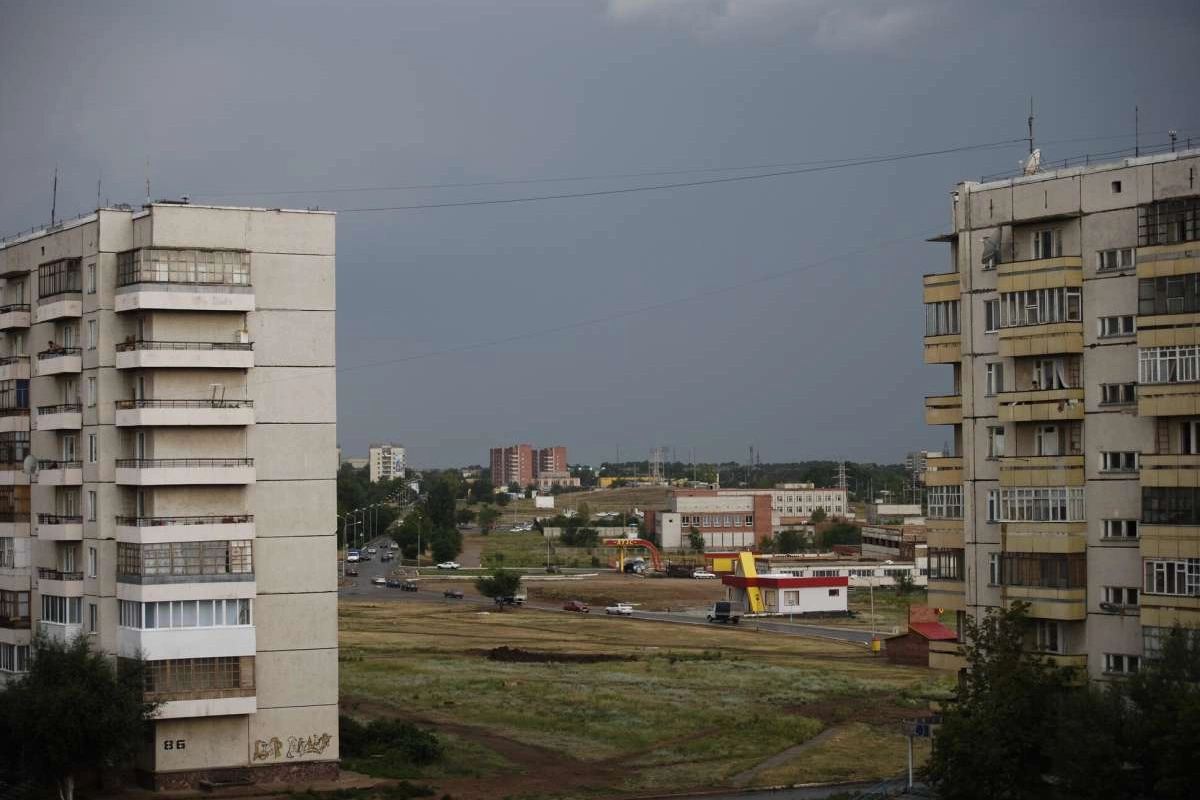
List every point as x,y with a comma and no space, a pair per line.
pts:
1052,338
1175,602
941,287
944,471
944,533
1048,405
1039,273
944,655
1169,541
1048,603
1168,400
1162,260
1045,537
1071,660
943,349
1041,471
1170,470
947,595
1169,617
1168,330
943,409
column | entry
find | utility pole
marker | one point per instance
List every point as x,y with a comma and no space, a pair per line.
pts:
1137,130
1031,124
54,197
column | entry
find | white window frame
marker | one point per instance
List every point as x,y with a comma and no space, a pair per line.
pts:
1174,577
995,441
1115,327
93,449
1125,393
1120,529
1121,663
1122,596
92,502
91,278
1120,258
991,316
93,333
91,392
1119,461
1038,237
93,562
1051,636
994,378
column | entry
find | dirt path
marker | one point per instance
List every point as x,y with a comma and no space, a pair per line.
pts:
746,776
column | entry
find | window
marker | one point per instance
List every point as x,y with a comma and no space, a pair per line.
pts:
941,319
1120,529
991,316
995,378
947,564
61,610
835,592
1153,639
1041,504
1050,636
1169,222
93,451
14,609
993,505
1116,187
14,446
1169,364
995,441
58,277
1178,577
791,598
1040,306
1046,440
186,558
1051,570
91,506
91,334
1047,243
707,521
1121,258
1112,394
749,520
728,520
8,556
1170,505
1121,664
166,614
223,267
1119,461
1171,294
93,618
91,392
1122,596
994,569
14,657
93,562
945,502
91,279
1116,326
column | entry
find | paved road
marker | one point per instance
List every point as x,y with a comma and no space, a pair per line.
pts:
376,568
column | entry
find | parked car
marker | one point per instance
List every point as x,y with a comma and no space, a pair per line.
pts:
456,594
379,580
387,556
724,611
621,609
409,586
575,605
702,574
351,572
395,583
449,565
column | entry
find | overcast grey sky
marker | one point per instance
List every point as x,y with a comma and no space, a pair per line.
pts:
231,100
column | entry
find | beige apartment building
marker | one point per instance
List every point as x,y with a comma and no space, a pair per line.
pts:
387,461
167,412
1070,323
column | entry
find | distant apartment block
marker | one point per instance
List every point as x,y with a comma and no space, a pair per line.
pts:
523,465
386,462
1070,318
167,381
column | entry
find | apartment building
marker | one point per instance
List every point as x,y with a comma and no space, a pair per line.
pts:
1070,320
512,466
167,413
386,462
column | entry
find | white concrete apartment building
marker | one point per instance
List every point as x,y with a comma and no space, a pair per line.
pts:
1070,318
386,462
171,372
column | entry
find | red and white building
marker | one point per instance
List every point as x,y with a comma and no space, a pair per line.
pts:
787,594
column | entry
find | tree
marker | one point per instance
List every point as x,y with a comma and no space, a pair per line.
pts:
841,533
72,712
580,537
789,540
440,500
488,516
482,491
530,489
499,585
993,742
502,499
464,516
583,515
445,544
412,533
696,539
818,515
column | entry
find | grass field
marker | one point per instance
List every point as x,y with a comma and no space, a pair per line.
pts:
679,707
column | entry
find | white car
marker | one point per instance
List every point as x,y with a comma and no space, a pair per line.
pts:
702,574
379,580
449,565
621,609
372,550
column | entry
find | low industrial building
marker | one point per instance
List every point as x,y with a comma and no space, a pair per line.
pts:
925,631
787,594
726,521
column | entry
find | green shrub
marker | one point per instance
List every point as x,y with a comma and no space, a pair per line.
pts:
400,740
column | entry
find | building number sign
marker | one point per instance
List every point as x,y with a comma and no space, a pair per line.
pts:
174,744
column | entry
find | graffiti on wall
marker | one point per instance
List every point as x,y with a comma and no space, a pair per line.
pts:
297,747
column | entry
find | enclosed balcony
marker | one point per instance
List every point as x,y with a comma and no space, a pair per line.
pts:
12,473
944,471
14,316
207,355
184,412
15,523
16,579
216,527
65,417
1170,470
60,361
60,473
14,368
1038,471
1168,399
14,419
943,409
200,685
1048,405
180,279
1050,603
185,471
60,527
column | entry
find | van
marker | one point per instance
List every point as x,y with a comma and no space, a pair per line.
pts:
724,611
351,557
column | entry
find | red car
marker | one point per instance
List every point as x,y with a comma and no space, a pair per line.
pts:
575,605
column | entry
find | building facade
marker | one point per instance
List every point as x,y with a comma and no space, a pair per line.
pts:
550,459
386,462
1070,320
737,521
167,416
522,465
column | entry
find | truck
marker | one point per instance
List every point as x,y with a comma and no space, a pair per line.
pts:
517,599
725,611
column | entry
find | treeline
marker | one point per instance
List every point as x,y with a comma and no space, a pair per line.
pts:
861,477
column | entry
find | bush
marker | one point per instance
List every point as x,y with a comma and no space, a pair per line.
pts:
400,740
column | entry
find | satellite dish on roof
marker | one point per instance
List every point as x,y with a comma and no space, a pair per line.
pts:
1033,163
29,465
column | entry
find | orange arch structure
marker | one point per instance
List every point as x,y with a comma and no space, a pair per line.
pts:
623,544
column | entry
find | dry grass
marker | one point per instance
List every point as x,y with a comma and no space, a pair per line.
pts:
852,752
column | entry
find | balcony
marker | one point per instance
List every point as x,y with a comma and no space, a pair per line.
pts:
1166,260
1039,273
14,419
150,530
944,471
207,355
948,595
184,279
12,473
172,643
60,473
943,349
185,471
1168,399
1170,470
14,523
65,417
60,528
68,305
13,316
15,579
60,632
184,297
944,409
184,412
14,368
19,623
1033,471
944,533
60,361
1046,405
1052,338
1050,603
944,655
60,584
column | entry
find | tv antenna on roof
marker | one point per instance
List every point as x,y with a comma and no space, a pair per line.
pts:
1030,120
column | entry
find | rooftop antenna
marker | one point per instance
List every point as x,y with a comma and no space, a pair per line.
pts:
1173,134
1030,124
99,178
54,197
147,180
1137,145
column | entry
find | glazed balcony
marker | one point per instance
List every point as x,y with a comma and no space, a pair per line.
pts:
219,527
14,368
16,579
1168,399
14,316
1050,603
144,413
15,623
14,419
60,473
12,473
184,279
185,471
60,361
943,349
64,417
60,527
1170,470
944,409
1034,471
1046,405
1053,338
207,355
944,471
61,632
160,644
14,523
